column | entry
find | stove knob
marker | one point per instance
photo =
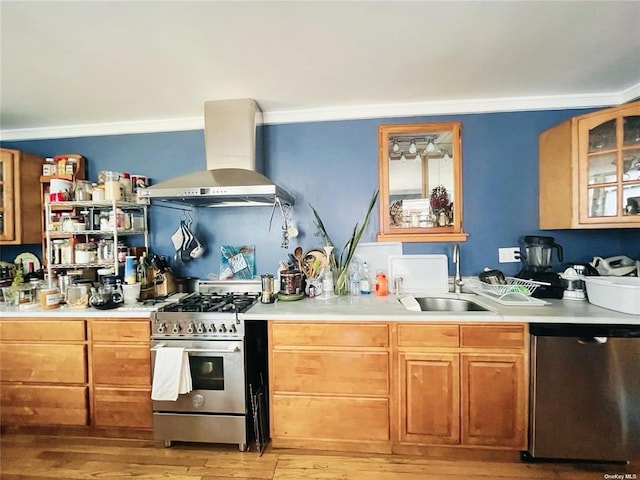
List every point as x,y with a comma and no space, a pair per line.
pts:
161,328
222,329
190,328
212,328
201,328
232,329
176,328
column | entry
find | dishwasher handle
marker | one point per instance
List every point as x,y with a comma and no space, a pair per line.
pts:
592,340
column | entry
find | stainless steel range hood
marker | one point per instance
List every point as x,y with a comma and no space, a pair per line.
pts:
235,155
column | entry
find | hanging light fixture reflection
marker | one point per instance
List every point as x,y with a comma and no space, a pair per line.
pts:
395,148
412,147
431,147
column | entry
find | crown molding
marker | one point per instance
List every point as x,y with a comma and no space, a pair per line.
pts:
444,107
103,129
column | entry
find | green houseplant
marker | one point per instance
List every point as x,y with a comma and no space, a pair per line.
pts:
340,264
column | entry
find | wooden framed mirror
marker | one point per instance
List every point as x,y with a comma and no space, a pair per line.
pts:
420,176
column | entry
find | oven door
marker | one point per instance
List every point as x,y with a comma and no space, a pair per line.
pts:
217,373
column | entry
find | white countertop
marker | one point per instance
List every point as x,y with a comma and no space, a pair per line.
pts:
372,307
137,310
369,308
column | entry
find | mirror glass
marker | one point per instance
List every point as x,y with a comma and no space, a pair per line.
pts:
420,182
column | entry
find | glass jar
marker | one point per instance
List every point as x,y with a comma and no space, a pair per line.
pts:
105,250
97,193
82,190
56,247
104,221
127,188
66,252
112,186
116,219
86,253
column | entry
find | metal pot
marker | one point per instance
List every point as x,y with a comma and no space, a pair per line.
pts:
186,284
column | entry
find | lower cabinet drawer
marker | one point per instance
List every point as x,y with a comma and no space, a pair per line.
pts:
122,408
336,334
330,418
44,405
125,365
493,336
43,331
37,363
338,373
420,335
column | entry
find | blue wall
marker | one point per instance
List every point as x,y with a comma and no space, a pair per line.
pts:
334,167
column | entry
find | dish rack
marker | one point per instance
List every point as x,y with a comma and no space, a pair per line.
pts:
515,292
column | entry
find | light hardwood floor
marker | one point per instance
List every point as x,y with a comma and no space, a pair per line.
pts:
30,457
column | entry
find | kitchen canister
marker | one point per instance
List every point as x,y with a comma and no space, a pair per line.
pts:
49,298
112,186
125,181
60,189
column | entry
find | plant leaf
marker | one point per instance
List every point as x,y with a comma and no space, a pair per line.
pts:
340,263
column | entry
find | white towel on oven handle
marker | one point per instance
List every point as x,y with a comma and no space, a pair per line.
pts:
171,374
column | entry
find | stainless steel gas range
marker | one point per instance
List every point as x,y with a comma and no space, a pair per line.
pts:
227,355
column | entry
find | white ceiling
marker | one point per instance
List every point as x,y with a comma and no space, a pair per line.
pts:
91,67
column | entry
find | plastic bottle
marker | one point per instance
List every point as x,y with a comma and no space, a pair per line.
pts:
381,284
327,283
354,278
365,288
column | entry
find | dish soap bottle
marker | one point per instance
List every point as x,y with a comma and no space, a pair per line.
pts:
365,288
381,284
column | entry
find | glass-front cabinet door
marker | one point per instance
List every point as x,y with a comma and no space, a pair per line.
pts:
420,176
609,151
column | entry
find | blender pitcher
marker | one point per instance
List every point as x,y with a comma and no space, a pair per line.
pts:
537,252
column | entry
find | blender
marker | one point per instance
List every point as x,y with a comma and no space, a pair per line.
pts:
536,253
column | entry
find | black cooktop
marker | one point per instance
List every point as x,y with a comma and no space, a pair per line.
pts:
214,302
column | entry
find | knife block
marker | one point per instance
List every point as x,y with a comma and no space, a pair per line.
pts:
164,283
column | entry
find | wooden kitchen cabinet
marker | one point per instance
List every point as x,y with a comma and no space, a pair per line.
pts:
43,372
430,398
20,205
330,386
461,384
493,400
121,373
589,171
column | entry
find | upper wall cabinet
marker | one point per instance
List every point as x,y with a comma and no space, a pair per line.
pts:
420,176
20,197
590,171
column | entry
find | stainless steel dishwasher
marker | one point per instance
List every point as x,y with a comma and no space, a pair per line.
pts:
584,392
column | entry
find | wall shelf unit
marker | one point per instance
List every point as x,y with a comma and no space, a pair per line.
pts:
108,221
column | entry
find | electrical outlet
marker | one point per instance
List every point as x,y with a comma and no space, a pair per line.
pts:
508,255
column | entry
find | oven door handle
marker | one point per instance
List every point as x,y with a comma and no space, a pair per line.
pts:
231,349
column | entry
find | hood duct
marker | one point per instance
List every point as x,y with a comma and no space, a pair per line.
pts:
235,156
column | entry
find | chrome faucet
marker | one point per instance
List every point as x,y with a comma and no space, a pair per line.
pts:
457,280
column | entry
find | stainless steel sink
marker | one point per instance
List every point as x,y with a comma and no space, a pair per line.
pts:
444,304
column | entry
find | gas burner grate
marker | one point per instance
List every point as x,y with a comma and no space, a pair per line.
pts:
214,302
